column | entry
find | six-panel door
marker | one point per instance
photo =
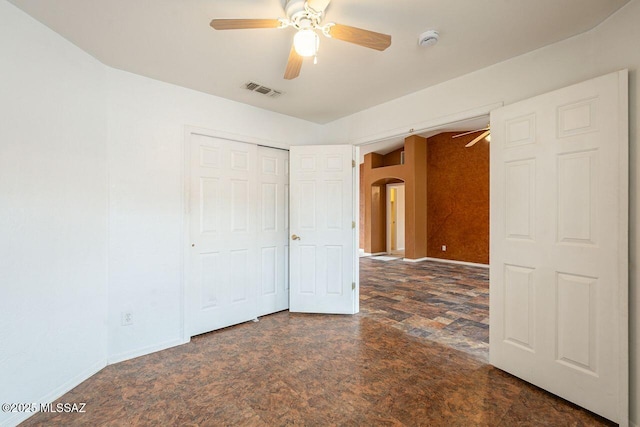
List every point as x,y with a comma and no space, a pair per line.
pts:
323,253
558,298
238,220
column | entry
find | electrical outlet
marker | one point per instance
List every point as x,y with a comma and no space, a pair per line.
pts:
127,318
444,248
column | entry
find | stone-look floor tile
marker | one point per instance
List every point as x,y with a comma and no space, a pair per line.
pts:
414,356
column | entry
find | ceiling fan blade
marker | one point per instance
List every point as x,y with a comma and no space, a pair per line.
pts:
293,65
468,133
366,38
318,5
241,24
482,136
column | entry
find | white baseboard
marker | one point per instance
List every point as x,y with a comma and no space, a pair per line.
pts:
121,357
50,397
414,260
448,261
373,254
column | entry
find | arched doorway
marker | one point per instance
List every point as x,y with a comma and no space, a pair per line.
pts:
395,219
405,166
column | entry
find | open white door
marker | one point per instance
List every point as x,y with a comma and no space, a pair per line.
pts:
323,234
559,250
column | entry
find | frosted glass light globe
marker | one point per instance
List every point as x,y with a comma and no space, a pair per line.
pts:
306,42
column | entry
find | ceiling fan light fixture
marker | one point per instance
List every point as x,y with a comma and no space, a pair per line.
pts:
306,42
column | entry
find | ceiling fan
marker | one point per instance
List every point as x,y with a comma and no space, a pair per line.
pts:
486,133
306,17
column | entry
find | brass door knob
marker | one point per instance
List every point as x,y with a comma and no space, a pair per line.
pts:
295,237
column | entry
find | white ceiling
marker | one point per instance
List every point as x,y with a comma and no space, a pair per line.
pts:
171,40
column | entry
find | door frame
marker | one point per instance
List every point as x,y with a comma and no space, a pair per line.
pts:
185,174
389,216
420,127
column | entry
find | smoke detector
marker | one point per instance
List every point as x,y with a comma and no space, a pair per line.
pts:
428,38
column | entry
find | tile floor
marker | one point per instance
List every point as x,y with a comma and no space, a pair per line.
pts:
446,303
385,366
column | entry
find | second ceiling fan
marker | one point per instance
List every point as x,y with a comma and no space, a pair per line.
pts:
486,133
306,17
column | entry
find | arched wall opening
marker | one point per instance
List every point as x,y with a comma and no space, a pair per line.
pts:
406,166
451,220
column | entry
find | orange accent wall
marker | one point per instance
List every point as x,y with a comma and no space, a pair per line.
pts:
447,198
377,172
392,158
458,198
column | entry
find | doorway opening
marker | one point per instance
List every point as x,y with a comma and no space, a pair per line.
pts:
395,219
432,278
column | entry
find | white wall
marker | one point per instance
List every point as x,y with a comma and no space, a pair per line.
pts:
611,46
53,218
66,122
91,207
147,122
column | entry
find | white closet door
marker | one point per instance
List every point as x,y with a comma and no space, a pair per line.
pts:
273,230
559,254
223,275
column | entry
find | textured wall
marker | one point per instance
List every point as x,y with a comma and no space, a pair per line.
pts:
378,171
458,198
393,158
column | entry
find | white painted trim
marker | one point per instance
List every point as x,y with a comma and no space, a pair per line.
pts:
183,236
414,260
184,251
623,248
428,125
449,261
146,350
356,229
366,254
395,185
236,137
107,261
58,392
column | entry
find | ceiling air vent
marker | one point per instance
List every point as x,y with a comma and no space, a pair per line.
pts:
267,91
263,90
